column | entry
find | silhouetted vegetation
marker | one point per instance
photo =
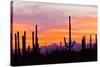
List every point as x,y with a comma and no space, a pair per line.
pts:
83,43
32,56
70,43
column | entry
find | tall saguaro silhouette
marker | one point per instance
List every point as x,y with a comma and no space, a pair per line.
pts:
36,40
33,45
15,44
83,43
24,43
70,43
90,42
28,50
18,40
95,46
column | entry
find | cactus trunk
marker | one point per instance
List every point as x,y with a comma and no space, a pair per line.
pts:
70,44
24,43
69,34
83,43
90,42
28,50
18,43
95,46
15,44
33,45
36,40
60,46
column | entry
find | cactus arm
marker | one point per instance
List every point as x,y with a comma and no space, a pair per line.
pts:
65,43
73,44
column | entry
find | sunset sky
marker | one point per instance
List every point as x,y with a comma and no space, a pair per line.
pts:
52,21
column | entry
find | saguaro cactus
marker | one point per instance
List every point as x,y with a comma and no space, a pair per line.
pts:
36,40
90,42
18,43
33,45
15,44
28,50
83,43
24,43
95,46
70,43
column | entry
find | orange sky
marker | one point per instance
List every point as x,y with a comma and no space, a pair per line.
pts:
55,35
53,24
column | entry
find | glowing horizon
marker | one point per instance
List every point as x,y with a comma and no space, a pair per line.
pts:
52,21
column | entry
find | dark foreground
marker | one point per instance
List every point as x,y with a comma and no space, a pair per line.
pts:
57,56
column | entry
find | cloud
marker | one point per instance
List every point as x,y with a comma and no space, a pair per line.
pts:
50,13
